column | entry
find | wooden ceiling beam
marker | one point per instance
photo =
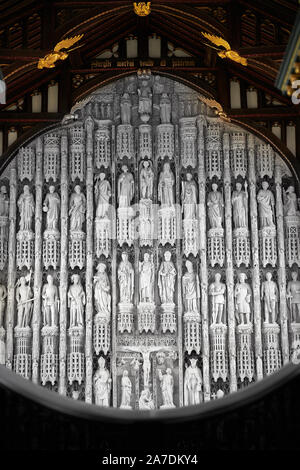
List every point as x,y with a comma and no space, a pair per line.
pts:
22,54
271,10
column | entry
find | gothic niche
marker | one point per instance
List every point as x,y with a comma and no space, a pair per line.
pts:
149,253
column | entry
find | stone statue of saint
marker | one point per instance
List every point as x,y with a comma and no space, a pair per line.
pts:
217,291
266,203
293,295
77,209
126,279
26,208
189,197
102,291
242,295
102,196
146,281
165,186
24,298
165,109
167,387
290,201
190,289
126,387
269,295
125,106
3,296
125,187
146,180
102,384
146,401
50,302
4,202
145,97
166,279
239,201
192,384
51,206
215,207
76,301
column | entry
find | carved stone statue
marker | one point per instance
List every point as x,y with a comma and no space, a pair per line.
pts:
266,203
145,97
165,109
102,384
3,296
293,295
165,186
242,295
125,187
217,291
166,279
146,180
269,295
4,202
290,201
167,387
102,291
76,301
125,106
50,302
26,208
102,195
192,384
51,207
146,401
189,197
146,281
126,387
215,207
77,209
126,279
240,206
24,298
190,289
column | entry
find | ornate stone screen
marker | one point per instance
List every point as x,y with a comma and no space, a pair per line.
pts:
149,253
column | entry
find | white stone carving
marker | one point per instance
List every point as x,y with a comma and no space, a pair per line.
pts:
102,221
77,153
146,401
3,296
189,209
49,356
293,296
165,145
192,384
126,389
102,145
292,226
76,301
216,248
26,163
167,212
166,284
242,295
24,298
51,157
102,384
239,156
217,290
125,225
188,136
4,213
272,353
125,141
241,239
125,107
77,244
269,295
50,305
267,233
265,160
165,109
245,356
75,357
145,99
219,355
191,298
102,296
167,387
145,141
126,289
213,150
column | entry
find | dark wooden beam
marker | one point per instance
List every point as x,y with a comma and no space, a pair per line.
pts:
22,54
274,112
20,117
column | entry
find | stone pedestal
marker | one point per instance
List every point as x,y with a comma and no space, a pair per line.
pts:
77,249
102,144
218,353
267,246
245,356
77,154
25,249
145,141
192,332
51,248
51,157
125,141
146,227
75,356
49,356
188,136
241,246
102,237
168,318
125,317
292,239
22,356
216,247
167,225
125,226
165,141
190,237
101,334
272,353
26,163
146,317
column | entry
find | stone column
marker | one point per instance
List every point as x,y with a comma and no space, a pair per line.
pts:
114,271
255,258
37,286
229,264
63,286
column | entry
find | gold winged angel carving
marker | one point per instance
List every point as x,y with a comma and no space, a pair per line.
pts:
226,52
60,52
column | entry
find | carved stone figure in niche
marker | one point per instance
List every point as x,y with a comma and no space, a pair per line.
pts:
3,296
217,291
126,387
293,295
76,301
102,291
242,295
290,201
166,279
146,180
102,384
26,208
145,97
126,279
51,206
125,187
4,202
146,284
167,387
125,109
77,209
192,384
266,203
189,197
165,109
165,186
269,295
50,302
190,289
215,207
24,298
240,206
102,195
146,401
